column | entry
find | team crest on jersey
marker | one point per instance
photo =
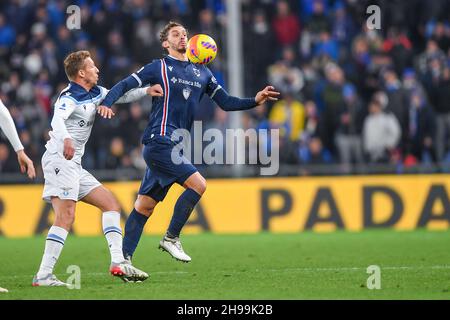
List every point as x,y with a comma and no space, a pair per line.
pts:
66,191
170,68
196,72
186,93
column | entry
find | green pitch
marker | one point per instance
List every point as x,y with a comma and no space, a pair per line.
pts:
414,265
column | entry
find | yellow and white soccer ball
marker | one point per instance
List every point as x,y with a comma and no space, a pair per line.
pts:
201,49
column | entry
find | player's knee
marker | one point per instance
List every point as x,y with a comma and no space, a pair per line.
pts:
66,217
143,207
112,205
200,186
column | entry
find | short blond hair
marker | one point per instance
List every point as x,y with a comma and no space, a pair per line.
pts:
74,62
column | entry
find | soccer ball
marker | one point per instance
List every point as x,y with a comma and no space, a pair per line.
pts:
201,49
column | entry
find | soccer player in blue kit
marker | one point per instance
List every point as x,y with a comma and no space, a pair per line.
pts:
183,84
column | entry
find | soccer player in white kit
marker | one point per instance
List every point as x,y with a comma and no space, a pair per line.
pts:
66,182
25,163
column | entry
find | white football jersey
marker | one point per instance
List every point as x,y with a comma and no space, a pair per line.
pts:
74,116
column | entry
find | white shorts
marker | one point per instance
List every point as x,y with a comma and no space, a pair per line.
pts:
65,179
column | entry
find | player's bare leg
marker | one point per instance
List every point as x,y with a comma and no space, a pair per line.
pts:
103,199
65,216
195,186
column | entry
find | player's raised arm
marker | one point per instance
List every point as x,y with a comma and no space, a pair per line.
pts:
7,125
146,75
138,93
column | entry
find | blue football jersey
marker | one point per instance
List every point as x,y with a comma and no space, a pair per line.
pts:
184,84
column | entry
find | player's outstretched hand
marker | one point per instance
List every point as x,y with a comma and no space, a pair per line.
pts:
105,112
155,91
69,150
26,164
268,93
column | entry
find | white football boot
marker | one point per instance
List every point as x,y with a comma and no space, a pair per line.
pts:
3,290
127,272
174,247
49,280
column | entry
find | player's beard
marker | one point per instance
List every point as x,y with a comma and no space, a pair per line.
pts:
178,48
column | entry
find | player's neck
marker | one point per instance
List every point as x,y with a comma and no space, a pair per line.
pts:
83,84
178,55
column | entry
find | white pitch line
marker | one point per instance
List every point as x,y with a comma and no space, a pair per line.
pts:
320,269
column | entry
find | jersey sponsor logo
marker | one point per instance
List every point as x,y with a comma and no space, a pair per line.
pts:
186,93
190,83
196,71
174,80
83,123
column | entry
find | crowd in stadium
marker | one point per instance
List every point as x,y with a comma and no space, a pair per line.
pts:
349,94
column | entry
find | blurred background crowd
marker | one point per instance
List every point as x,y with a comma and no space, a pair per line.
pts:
351,97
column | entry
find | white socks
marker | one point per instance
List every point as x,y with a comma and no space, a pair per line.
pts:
53,247
113,234
57,236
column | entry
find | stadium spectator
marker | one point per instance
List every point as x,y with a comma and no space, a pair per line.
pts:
439,94
286,25
256,61
421,133
331,101
381,134
7,33
349,127
315,154
285,75
399,47
397,100
289,116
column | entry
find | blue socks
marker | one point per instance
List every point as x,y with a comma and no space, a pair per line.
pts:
133,231
183,208
136,221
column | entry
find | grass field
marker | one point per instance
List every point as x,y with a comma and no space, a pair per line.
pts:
414,265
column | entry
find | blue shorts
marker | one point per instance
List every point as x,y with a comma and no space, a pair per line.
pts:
161,170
